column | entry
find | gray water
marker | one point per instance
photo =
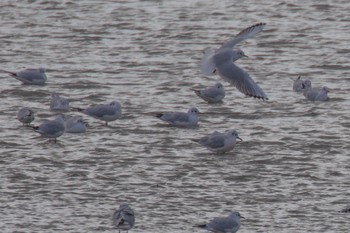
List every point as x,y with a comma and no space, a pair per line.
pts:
290,174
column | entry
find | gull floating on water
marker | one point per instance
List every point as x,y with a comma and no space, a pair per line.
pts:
229,224
219,142
124,217
30,76
221,61
59,103
213,94
314,94
104,112
181,119
25,115
75,124
298,84
51,129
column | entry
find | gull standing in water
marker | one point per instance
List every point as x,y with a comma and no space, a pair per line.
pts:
213,94
104,112
181,119
219,142
30,76
124,217
229,224
59,103
51,129
314,94
75,124
25,115
221,61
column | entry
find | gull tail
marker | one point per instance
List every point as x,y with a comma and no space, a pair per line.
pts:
155,114
196,91
195,140
9,72
201,225
77,109
207,64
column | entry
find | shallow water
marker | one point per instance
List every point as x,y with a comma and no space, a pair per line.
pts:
290,174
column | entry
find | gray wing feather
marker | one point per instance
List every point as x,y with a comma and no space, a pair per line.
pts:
244,34
100,111
240,79
175,117
213,141
222,224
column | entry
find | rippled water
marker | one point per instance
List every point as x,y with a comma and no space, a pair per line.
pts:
290,174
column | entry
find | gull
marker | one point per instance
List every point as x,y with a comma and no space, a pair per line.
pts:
219,142
75,124
104,112
25,115
229,224
181,119
298,84
59,103
124,217
30,76
314,94
221,61
346,210
51,129
213,94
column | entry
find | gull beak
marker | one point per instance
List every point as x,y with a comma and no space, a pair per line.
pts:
240,138
245,55
242,217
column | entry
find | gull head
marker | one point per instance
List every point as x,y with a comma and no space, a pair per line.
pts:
237,54
219,86
193,111
236,214
234,133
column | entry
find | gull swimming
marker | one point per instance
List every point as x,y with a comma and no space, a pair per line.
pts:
104,112
298,84
221,61
30,76
181,119
213,94
75,124
51,129
219,142
229,224
124,217
25,115
59,103
314,94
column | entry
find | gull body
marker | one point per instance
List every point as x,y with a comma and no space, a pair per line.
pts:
75,124
219,142
213,94
124,217
181,119
220,61
30,76
51,129
104,112
229,224
25,115
59,103
314,94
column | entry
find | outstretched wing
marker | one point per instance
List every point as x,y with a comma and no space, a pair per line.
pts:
207,64
241,80
244,34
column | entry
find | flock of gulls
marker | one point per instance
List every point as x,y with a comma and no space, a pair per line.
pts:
214,62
